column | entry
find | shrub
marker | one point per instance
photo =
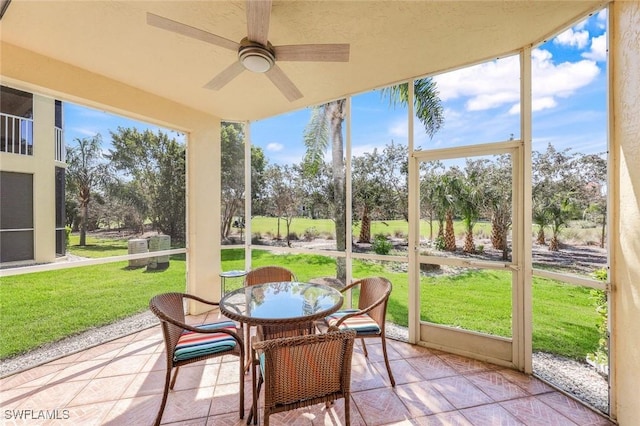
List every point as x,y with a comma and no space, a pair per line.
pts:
67,235
438,244
255,238
480,249
311,234
601,355
582,224
429,267
399,233
381,245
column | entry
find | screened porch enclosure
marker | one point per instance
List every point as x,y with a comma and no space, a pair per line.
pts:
174,97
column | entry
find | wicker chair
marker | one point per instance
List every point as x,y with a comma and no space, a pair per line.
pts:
369,319
185,344
268,274
305,370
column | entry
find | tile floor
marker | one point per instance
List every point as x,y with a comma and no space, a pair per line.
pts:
120,383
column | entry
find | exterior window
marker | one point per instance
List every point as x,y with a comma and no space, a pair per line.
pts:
16,217
60,212
16,121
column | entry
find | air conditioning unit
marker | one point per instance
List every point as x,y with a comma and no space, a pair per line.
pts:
138,245
158,243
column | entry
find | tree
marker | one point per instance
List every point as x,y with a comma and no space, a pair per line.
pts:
284,195
326,125
470,197
232,172
395,167
317,191
368,187
593,169
555,183
156,167
430,179
498,200
380,186
542,219
258,166
86,173
448,193
559,211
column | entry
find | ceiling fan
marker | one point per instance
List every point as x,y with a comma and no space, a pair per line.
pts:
255,53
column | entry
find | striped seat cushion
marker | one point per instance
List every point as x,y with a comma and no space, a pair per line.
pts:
191,344
361,324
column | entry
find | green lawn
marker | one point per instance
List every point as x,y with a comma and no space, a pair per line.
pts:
265,226
48,306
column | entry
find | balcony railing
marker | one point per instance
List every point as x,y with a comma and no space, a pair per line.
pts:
60,149
16,134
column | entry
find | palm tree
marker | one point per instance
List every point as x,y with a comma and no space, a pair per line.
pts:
469,203
541,218
559,213
86,172
448,196
325,126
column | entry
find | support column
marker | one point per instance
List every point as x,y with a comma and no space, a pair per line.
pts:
203,213
44,179
625,212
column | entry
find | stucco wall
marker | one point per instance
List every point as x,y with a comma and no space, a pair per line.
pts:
625,273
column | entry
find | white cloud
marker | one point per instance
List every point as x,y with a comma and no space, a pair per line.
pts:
544,102
492,77
598,51
497,83
537,104
275,147
573,38
602,19
492,100
561,80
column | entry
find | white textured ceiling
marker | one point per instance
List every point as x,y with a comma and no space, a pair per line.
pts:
390,41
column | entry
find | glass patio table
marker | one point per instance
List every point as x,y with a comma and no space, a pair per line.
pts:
280,303
282,306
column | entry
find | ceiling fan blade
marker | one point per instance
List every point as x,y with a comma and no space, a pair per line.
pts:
228,74
282,82
313,52
258,15
189,31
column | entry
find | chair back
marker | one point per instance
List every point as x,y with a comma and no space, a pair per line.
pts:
268,274
306,370
169,308
372,290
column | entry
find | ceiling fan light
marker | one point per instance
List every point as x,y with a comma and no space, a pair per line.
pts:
256,59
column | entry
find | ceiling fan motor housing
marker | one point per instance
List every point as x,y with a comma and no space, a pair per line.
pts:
256,57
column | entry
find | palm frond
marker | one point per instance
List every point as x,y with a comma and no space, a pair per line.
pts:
316,139
428,107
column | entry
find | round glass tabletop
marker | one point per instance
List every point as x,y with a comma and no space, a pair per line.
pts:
280,302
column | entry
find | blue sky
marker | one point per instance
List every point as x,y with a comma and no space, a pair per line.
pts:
481,105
